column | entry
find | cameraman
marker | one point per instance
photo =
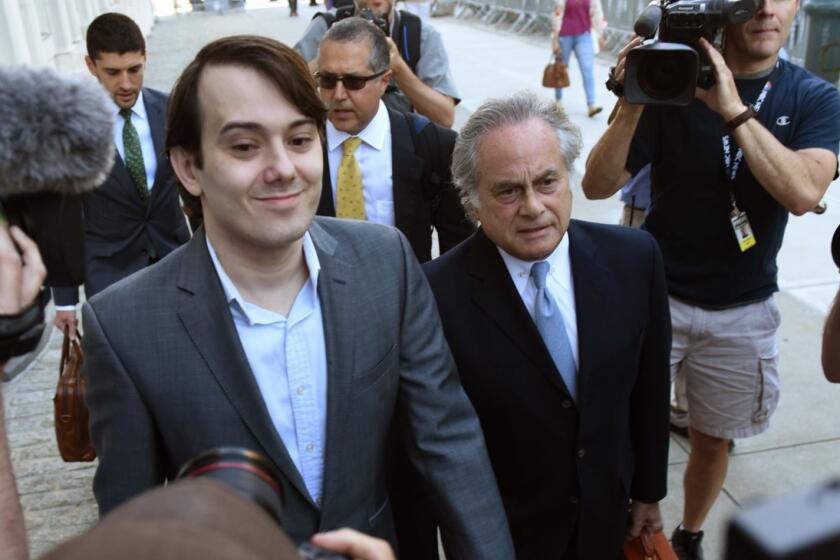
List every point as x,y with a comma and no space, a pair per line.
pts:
419,62
720,222
22,274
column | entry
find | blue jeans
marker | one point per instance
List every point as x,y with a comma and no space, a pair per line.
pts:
585,52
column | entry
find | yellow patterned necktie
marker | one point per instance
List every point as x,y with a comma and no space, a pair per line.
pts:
350,197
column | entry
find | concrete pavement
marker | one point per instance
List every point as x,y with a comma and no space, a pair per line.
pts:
801,446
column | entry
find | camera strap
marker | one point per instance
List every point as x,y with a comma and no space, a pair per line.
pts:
740,222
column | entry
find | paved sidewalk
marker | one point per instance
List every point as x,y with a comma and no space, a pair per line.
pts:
801,447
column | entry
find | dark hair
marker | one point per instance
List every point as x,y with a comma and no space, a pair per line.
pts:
114,33
355,29
273,60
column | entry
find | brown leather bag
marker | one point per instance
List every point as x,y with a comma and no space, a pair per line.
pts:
71,413
649,547
556,74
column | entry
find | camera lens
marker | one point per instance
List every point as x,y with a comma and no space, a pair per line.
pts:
247,472
666,75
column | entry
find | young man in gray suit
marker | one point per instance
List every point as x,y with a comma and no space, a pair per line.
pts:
303,339
134,218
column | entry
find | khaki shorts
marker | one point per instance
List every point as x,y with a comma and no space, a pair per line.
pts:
730,365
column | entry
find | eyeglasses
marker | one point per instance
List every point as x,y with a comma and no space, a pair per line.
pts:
325,80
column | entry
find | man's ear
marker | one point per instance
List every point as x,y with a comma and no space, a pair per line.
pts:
386,77
384,80
183,163
91,66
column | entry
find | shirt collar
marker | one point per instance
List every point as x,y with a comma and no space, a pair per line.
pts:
235,299
138,110
559,264
373,134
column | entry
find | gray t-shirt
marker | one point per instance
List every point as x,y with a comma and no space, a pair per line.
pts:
432,68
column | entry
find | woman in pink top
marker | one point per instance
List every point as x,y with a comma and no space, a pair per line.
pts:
573,22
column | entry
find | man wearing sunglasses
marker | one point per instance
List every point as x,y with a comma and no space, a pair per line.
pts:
421,80
382,165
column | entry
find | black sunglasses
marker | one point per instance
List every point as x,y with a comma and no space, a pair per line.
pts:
325,80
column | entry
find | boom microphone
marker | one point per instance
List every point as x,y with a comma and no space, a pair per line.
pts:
56,143
648,21
55,133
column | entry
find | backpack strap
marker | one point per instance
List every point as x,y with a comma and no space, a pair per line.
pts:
329,17
407,38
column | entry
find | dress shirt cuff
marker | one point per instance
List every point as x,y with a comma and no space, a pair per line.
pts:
65,308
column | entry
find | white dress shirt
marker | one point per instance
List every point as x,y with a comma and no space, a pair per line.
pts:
374,157
140,120
558,283
288,358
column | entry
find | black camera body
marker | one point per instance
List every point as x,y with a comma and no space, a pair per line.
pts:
347,8
253,476
666,69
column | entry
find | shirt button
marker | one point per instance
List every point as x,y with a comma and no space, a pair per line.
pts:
573,499
566,403
301,390
581,453
309,447
319,500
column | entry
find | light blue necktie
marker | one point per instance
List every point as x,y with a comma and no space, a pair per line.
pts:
552,329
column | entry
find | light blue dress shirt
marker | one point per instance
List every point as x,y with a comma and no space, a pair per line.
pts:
288,358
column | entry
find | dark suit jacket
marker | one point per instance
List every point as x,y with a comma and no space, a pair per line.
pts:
119,227
559,465
167,378
423,193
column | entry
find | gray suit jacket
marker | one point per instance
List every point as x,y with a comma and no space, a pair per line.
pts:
168,378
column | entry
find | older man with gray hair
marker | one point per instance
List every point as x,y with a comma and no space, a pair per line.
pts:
561,333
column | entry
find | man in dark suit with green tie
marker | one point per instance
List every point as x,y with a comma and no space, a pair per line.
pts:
135,218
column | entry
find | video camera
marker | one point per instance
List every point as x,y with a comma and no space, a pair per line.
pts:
669,65
56,145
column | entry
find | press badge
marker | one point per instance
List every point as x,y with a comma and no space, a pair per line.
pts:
743,231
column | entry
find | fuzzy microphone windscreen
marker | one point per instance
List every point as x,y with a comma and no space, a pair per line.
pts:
55,133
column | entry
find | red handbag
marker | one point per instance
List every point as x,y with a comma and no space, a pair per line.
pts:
649,547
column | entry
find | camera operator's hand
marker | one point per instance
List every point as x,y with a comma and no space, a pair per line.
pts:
643,517
723,97
354,544
618,70
66,321
605,172
22,272
426,100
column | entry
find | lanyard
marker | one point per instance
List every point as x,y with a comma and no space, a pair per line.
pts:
730,164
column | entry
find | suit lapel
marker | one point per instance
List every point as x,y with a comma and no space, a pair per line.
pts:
592,303
492,290
156,113
157,121
206,317
119,172
326,205
406,172
334,291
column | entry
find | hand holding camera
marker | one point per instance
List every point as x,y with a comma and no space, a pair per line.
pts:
675,58
722,97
